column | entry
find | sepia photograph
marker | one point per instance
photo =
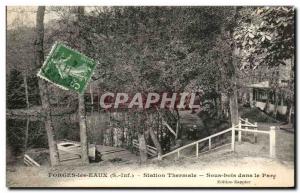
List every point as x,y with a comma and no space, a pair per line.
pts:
150,97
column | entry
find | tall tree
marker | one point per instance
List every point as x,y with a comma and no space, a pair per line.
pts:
233,95
150,124
27,106
227,53
81,105
43,85
83,130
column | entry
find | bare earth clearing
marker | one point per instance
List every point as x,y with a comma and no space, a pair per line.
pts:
249,158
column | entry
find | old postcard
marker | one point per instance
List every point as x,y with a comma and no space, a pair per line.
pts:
150,96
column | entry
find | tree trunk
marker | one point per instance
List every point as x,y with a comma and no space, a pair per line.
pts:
177,130
26,90
43,87
233,103
81,105
219,107
289,113
155,141
177,125
92,114
26,135
276,104
291,86
142,148
233,96
83,130
27,106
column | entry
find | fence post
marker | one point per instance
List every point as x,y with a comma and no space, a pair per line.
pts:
178,154
159,157
209,143
272,142
197,150
232,139
246,122
255,134
240,132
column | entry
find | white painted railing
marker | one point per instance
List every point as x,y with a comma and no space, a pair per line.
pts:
243,126
247,125
29,161
195,143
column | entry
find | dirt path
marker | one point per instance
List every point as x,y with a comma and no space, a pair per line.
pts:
249,158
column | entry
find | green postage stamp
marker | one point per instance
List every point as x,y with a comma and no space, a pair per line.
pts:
67,68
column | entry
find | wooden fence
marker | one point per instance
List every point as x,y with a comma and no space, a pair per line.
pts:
152,151
243,126
29,161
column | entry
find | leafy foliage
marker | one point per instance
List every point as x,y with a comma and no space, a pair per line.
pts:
265,36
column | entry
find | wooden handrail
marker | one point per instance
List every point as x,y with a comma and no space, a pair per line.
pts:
29,161
245,125
170,128
196,142
150,150
253,131
247,122
234,128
